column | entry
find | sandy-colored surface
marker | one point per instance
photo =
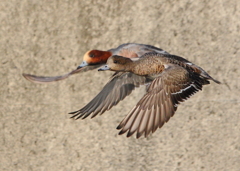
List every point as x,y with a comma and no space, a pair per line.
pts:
50,37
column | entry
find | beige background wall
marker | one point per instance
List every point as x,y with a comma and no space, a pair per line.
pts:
50,38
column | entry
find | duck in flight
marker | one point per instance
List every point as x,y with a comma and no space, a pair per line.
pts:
169,80
96,58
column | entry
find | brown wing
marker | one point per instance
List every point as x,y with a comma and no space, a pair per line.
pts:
44,79
173,86
120,86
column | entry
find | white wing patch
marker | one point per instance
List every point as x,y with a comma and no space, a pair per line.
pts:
189,63
134,59
182,90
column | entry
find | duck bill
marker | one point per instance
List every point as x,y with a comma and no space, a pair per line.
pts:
83,64
104,68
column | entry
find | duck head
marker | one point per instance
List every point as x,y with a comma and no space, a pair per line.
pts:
94,57
117,63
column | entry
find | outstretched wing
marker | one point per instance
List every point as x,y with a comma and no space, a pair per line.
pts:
160,102
120,86
45,79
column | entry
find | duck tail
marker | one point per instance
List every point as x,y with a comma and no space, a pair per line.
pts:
208,77
205,75
216,81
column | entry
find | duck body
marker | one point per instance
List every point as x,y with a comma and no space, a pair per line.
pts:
152,64
170,80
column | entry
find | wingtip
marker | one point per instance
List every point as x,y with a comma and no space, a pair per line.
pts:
121,132
26,75
75,115
139,134
71,113
118,127
129,134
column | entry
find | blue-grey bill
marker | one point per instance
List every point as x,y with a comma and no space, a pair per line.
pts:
104,68
83,64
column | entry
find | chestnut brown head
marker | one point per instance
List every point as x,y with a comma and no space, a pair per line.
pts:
95,57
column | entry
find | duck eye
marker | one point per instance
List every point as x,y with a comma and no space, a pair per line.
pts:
91,55
115,62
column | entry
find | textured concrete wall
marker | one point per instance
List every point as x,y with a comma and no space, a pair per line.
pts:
50,37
